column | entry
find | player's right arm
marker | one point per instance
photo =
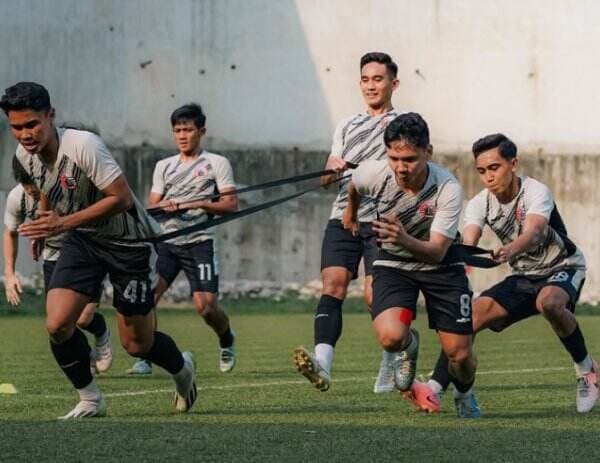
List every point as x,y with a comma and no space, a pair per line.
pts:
12,284
335,161
474,219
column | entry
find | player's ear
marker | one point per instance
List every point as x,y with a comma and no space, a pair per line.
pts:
429,152
514,164
395,84
203,131
51,113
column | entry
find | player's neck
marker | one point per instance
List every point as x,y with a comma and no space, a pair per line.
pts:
49,153
379,110
511,192
191,155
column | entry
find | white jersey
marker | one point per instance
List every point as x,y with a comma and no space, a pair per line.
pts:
506,220
357,139
82,169
21,207
436,207
173,180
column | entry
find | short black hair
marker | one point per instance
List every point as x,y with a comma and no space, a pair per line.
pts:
189,112
381,58
25,95
410,127
20,173
506,147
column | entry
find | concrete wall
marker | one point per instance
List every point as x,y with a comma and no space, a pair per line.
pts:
275,76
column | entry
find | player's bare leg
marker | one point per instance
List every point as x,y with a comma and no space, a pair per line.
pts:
207,307
71,350
401,342
139,339
552,303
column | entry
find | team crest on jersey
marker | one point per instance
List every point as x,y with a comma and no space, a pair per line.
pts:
68,183
520,214
427,210
201,171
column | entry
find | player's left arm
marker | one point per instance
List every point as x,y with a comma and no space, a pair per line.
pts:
534,230
117,198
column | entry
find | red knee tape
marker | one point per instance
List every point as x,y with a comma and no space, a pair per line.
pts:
406,317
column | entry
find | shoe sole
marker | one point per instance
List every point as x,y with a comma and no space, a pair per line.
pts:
306,367
408,395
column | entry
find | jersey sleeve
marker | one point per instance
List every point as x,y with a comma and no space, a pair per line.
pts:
366,176
97,163
475,211
448,209
538,199
224,174
158,178
13,213
337,146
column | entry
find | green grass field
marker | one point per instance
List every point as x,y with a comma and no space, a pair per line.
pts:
265,411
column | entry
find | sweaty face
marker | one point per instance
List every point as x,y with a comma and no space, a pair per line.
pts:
376,85
32,129
495,172
187,137
409,163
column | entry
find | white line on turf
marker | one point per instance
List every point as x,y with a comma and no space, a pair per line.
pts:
287,383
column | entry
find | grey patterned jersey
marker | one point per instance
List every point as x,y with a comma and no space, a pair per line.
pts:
357,139
435,208
21,207
173,180
506,220
82,169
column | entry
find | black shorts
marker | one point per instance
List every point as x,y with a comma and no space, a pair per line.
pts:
447,295
197,260
84,262
517,294
341,249
48,269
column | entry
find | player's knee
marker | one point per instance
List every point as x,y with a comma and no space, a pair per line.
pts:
391,340
335,287
59,331
551,308
205,309
458,354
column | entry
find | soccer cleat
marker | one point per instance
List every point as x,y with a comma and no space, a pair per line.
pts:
308,365
87,409
104,356
141,367
467,406
185,388
587,390
405,363
385,378
423,397
227,357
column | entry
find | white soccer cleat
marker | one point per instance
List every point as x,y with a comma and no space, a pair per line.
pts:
385,381
587,390
104,356
140,367
405,363
308,365
185,388
228,357
87,409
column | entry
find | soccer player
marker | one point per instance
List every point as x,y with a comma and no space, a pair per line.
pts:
548,269
90,201
419,204
22,203
179,182
356,139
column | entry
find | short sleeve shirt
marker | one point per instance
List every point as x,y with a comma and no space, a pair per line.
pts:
207,175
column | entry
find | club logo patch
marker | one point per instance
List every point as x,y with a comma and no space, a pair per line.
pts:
201,171
68,183
520,214
427,210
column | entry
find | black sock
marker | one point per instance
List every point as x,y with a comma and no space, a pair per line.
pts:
73,357
328,320
461,387
440,372
97,326
226,339
165,353
575,345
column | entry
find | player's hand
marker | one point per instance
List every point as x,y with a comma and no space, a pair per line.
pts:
13,289
389,230
502,254
168,205
48,223
36,247
349,222
335,163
